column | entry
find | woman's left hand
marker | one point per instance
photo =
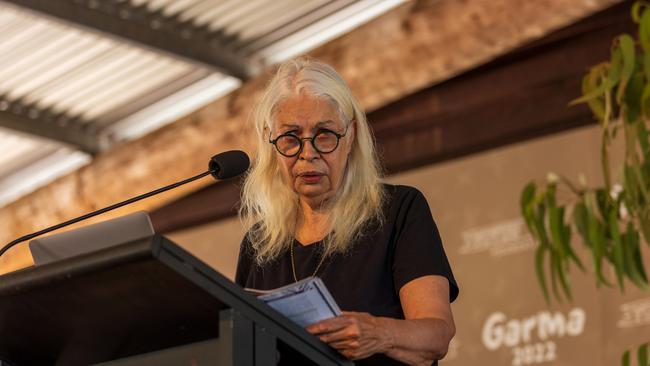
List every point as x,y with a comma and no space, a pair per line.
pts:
355,335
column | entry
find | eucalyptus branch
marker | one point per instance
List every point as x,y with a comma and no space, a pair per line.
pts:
577,191
610,222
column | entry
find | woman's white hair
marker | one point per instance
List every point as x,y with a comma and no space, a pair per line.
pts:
270,207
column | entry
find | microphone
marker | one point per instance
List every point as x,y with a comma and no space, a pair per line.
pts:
225,165
228,164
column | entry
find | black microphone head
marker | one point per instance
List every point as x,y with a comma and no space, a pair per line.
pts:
228,164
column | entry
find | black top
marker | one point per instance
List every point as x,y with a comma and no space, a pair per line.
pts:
367,279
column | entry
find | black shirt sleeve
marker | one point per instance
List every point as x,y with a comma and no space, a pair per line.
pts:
418,249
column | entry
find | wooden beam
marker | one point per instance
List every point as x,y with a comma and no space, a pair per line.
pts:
414,46
519,96
522,95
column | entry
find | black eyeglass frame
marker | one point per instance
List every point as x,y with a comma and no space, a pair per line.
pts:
274,142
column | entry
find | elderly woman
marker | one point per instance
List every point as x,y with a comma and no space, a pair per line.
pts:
315,206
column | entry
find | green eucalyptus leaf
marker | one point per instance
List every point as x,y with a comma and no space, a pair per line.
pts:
596,104
617,248
642,355
527,195
645,165
633,258
565,236
631,191
551,189
562,276
637,257
608,76
616,65
603,202
644,224
646,64
556,267
625,359
597,238
555,224
560,234
645,100
642,133
644,30
539,270
636,13
641,183
528,209
580,221
633,94
625,44
538,215
638,261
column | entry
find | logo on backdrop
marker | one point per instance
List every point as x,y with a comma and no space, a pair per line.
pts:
532,339
498,239
634,313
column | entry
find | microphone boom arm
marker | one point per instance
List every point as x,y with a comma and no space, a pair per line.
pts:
105,209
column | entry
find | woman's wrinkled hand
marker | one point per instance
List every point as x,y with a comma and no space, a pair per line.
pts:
355,335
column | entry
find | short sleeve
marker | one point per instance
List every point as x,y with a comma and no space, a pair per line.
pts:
418,249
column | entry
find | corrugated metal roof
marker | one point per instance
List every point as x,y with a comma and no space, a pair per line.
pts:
58,67
28,162
119,90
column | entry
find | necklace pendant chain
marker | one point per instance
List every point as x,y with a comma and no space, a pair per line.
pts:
293,264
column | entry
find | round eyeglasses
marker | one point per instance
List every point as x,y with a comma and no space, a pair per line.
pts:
324,141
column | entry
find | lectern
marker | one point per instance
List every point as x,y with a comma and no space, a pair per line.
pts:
147,302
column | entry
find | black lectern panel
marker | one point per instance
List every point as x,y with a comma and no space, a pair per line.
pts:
127,300
110,304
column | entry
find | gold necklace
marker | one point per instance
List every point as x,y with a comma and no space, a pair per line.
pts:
293,264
